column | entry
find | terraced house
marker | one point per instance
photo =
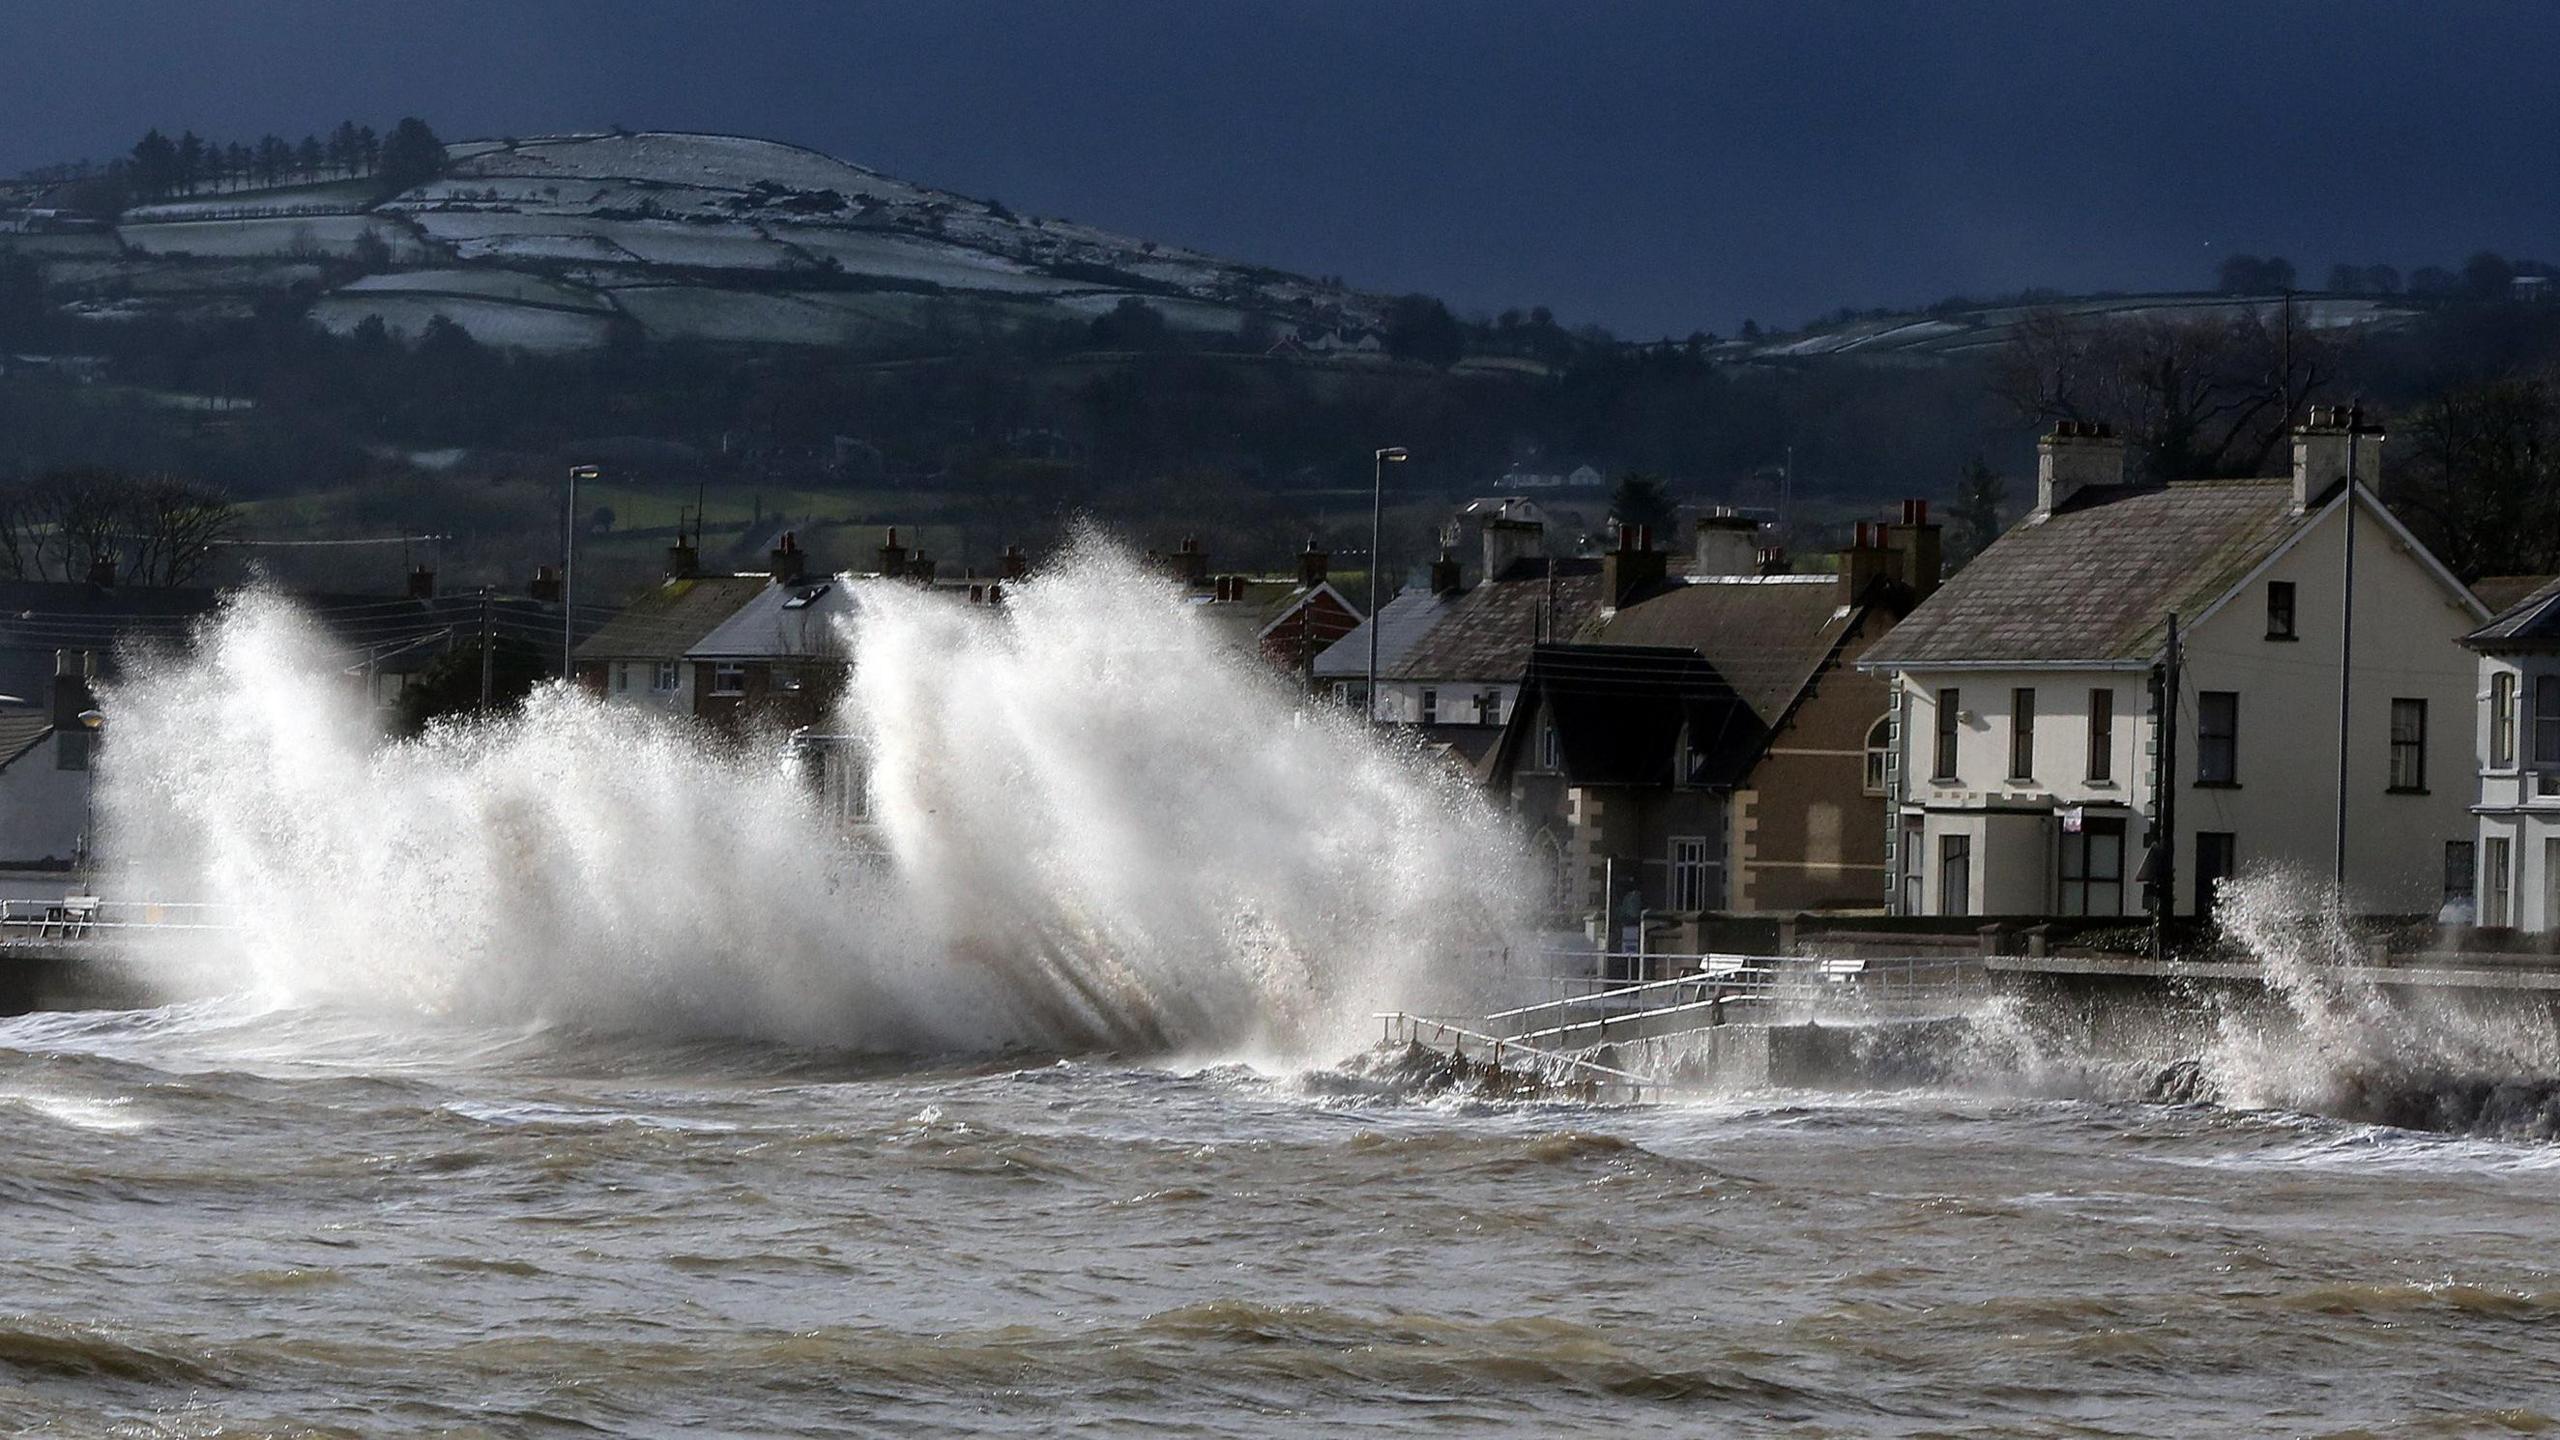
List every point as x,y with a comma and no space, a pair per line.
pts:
2025,767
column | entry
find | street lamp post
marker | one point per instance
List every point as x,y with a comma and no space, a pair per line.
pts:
95,720
1377,496
569,568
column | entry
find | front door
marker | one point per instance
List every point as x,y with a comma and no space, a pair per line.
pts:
2217,855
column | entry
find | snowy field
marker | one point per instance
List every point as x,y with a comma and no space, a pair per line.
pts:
483,284
491,322
296,235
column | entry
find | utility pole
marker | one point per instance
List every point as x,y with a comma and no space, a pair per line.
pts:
2164,797
569,570
2346,646
1377,501
488,651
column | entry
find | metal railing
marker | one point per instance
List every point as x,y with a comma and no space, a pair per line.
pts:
1706,985
82,917
1582,1077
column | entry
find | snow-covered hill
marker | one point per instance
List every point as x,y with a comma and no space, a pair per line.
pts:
547,243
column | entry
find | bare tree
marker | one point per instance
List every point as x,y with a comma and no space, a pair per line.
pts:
2206,396
2483,484
174,527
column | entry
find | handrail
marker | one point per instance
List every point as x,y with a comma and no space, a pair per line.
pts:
1394,1021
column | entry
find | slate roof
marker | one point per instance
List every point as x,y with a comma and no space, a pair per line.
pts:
2532,623
1619,711
2097,580
1488,633
2501,593
1241,623
1766,636
672,618
782,622
22,730
1402,622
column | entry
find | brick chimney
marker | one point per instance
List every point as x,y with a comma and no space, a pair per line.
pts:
1635,567
923,568
789,564
1918,550
2078,454
1773,560
2320,449
73,670
683,561
1312,565
1866,561
1444,573
1190,564
1726,544
545,585
422,583
1506,540
1015,564
893,556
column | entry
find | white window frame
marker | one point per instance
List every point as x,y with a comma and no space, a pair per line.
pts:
669,677
728,680
2497,881
1690,863
1428,706
1879,752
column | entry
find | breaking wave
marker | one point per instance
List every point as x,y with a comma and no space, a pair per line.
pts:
1094,827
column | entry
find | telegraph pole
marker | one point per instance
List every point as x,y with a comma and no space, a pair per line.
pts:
2347,646
488,651
2164,798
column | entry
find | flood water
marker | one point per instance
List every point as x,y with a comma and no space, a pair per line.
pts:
230,1220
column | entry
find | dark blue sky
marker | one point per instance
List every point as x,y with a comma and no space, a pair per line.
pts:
1656,167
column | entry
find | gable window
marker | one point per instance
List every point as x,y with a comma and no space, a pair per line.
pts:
2022,734
2102,736
1692,758
1689,874
1550,750
2409,745
1430,707
2280,610
728,679
666,676
2217,737
1946,757
2502,721
1879,748
2546,721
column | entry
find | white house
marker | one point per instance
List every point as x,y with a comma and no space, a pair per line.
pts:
2518,743
2023,772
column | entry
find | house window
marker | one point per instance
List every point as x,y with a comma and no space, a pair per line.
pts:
2022,734
1489,707
2502,721
2093,869
1955,874
1693,759
1550,750
2280,610
2546,721
2218,858
666,676
2217,737
2497,883
2102,736
1946,758
2459,874
2550,885
1689,874
621,675
1913,882
1879,747
728,679
1430,706
2409,745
